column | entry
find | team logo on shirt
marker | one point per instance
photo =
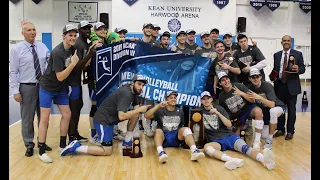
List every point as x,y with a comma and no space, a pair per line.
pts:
130,2
174,25
171,123
67,62
211,121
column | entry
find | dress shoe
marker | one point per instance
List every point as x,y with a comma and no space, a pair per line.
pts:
279,133
289,136
29,152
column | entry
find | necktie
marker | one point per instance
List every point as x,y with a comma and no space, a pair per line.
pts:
284,74
36,63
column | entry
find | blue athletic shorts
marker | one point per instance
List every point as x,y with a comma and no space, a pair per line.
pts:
227,143
244,118
105,133
74,92
171,139
46,98
92,94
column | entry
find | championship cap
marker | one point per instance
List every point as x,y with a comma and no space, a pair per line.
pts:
205,93
139,78
69,27
83,24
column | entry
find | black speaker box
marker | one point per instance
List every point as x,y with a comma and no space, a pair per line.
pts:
104,17
241,27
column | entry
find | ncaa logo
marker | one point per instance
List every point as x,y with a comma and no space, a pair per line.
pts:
187,65
174,25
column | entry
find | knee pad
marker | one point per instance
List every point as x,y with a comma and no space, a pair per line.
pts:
265,131
242,146
274,114
259,124
93,110
187,131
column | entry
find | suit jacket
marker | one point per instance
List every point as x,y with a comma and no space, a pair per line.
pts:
293,80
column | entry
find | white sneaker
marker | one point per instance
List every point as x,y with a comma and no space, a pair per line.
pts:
45,158
95,140
256,145
268,143
234,163
163,157
268,159
196,155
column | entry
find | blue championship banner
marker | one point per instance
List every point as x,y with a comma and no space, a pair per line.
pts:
115,65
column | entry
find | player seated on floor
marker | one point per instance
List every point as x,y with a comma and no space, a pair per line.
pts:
170,131
112,110
265,97
217,128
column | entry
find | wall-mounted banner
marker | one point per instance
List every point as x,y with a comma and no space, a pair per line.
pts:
115,64
272,5
130,2
305,5
221,3
79,11
257,4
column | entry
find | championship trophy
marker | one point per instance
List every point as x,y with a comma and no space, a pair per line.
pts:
136,148
126,151
291,62
227,60
197,127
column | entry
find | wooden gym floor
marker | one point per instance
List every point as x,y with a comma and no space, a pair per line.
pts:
293,159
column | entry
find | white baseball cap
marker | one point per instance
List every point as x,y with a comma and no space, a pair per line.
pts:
222,74
191,31
205,93
119,29
69,27
204,33
170,93
83,24
254,71
139,78
98,25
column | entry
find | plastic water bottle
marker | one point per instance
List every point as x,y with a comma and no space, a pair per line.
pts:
196,132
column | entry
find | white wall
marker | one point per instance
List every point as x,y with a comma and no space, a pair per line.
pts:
210,16
287,19
28,11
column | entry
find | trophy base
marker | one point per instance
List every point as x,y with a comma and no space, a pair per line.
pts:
200,144
126,152
139,155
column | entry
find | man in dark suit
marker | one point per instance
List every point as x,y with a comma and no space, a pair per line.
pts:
287,83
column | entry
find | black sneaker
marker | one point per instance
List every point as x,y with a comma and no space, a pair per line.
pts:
80,138
29,152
